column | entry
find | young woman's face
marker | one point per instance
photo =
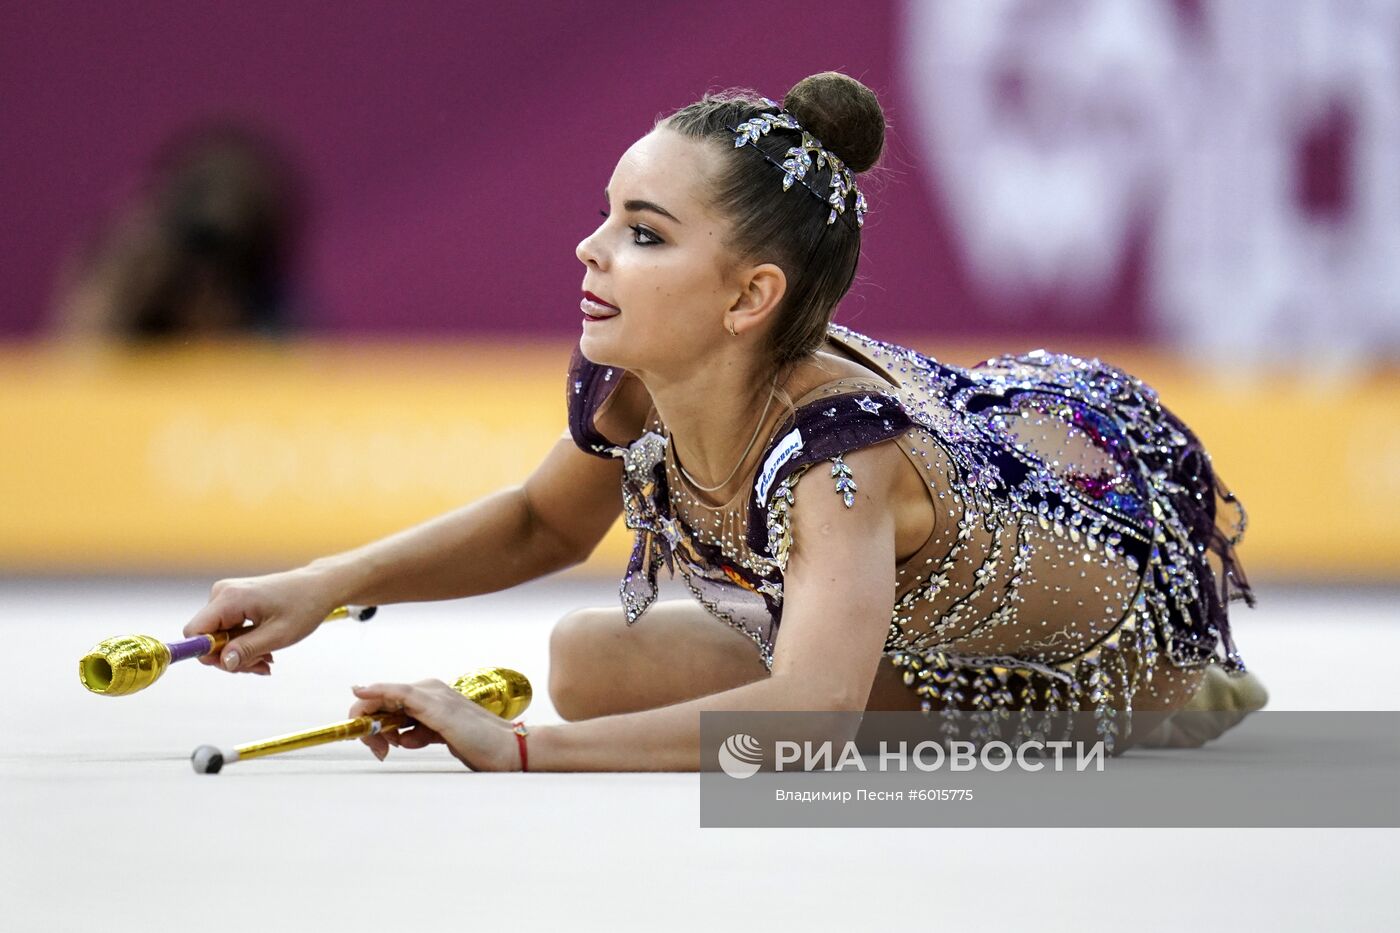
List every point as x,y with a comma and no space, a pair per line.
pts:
660,258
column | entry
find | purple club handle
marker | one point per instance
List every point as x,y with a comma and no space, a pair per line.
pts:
190,647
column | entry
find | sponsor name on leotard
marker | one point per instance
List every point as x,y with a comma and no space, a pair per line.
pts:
787,449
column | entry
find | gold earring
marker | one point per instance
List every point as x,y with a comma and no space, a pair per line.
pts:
732,331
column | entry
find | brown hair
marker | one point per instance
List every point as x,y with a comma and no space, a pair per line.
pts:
789,228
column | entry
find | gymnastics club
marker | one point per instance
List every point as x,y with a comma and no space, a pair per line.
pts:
499,690
128,663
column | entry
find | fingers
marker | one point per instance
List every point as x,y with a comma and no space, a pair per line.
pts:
373,701
263,667
421,701
259,665
439,714
215,660
246,652
394,698
377,744
419,736
217,615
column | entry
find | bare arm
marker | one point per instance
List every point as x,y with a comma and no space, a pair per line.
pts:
510,536
839,588
551,521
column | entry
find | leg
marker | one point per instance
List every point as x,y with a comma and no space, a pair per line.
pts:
599,665
888,692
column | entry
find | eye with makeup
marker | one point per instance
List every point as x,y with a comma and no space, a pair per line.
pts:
639,231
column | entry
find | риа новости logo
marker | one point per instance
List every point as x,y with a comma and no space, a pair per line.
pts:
741,755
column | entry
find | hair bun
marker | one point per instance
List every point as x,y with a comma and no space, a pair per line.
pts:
841,112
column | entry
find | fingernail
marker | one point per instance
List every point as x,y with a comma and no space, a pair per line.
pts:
230,659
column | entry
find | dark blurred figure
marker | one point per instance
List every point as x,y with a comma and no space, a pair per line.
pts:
204,250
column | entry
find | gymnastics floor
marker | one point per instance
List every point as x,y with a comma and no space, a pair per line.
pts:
104,825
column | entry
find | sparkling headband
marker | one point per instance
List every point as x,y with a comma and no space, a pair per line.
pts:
800,159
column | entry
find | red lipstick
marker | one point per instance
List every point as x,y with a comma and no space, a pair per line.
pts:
595,299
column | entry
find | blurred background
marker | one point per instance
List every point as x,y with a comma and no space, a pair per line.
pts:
283,279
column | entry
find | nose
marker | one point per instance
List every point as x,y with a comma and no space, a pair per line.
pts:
588,252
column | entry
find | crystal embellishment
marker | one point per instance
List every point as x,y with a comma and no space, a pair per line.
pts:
780,518
801,160
845,485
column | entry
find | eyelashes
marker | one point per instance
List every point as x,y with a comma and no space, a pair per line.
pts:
639,231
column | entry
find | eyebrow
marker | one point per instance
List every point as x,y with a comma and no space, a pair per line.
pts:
638,206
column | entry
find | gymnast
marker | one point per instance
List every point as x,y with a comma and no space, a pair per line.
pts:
1036,532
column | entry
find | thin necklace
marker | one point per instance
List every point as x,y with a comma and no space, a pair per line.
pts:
724,482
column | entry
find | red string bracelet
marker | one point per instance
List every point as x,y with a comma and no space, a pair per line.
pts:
520,733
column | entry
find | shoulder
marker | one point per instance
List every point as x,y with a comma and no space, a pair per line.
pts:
825,437
872,477
848,502
842,521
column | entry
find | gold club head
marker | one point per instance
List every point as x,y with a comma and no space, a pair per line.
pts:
123,665
498,689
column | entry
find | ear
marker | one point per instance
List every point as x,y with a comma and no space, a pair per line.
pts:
761,289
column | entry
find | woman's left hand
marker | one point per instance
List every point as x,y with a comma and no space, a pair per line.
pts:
480,740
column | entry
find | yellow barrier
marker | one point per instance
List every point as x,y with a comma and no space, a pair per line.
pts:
222,458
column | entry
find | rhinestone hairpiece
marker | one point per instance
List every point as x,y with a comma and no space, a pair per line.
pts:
801,159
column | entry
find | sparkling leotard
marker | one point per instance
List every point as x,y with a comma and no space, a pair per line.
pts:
1075,519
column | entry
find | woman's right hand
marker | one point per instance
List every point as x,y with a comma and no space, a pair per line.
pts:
284,608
